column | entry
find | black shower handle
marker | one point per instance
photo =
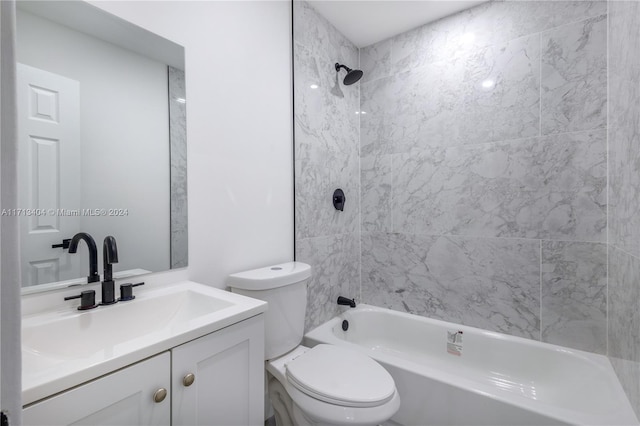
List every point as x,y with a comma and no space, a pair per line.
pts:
339,199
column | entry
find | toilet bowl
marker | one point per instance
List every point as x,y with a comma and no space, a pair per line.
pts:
330,385
312,386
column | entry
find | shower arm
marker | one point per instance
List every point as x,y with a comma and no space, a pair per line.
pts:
338,66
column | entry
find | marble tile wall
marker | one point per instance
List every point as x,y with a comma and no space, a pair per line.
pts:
327,151
484,170
488,283
624,195
574,295
336,272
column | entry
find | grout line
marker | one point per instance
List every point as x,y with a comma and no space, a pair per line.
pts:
320,237
624,251
540,290
494,142
578,21
483,237
360,181
607,307
608,183
391,192
540,88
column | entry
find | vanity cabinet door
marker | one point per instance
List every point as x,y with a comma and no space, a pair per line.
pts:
125,397
218,379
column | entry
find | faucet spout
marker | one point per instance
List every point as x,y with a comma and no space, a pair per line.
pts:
346,302
109,256
93,254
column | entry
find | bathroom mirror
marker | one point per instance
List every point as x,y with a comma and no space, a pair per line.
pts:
102,143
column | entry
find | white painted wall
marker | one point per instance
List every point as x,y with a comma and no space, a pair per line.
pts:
124,136
239,126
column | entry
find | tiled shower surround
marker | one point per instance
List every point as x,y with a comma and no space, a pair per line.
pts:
326,157
482,172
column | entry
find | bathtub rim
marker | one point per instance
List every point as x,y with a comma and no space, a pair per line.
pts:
324,334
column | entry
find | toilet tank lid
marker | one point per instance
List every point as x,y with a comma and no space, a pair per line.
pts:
270,277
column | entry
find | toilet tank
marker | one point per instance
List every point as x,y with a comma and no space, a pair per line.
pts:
284,288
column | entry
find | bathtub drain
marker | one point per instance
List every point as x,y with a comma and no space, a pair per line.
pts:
345,325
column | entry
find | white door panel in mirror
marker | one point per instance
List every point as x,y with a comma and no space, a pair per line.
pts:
127,176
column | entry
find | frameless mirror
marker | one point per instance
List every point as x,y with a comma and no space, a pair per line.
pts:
102,143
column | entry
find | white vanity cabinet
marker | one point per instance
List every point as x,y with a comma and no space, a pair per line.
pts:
227,367
219,379
125,397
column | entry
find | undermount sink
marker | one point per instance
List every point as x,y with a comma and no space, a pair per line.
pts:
64,347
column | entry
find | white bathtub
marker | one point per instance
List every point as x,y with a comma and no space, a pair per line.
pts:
496,379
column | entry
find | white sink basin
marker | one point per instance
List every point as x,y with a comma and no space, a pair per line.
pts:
83,334
65,347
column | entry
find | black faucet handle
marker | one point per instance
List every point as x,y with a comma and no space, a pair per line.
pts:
126,291
64,245
87,300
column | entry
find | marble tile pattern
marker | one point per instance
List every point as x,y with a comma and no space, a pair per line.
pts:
325,109
442,99
326,128
317,176
375,60
445,103
574,295
327,151
624,305
624,126
178,178
312,30
376,202
488,129
488,283
624,195
548,188
492,23
335,260
574,77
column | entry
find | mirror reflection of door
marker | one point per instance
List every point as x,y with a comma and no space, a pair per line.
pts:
132,131
49,167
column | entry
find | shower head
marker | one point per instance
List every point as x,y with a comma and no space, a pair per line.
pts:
352,75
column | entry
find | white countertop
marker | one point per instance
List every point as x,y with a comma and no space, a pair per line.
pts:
57,368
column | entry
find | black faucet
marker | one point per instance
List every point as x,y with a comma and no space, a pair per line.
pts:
109,256
347,302
93,254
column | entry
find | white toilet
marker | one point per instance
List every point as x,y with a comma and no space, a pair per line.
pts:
310,386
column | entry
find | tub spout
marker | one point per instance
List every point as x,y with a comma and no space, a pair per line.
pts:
346,302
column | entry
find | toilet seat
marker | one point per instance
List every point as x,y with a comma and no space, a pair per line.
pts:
319,411
340,376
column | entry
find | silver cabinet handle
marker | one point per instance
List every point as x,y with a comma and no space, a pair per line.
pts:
160,395
188,379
